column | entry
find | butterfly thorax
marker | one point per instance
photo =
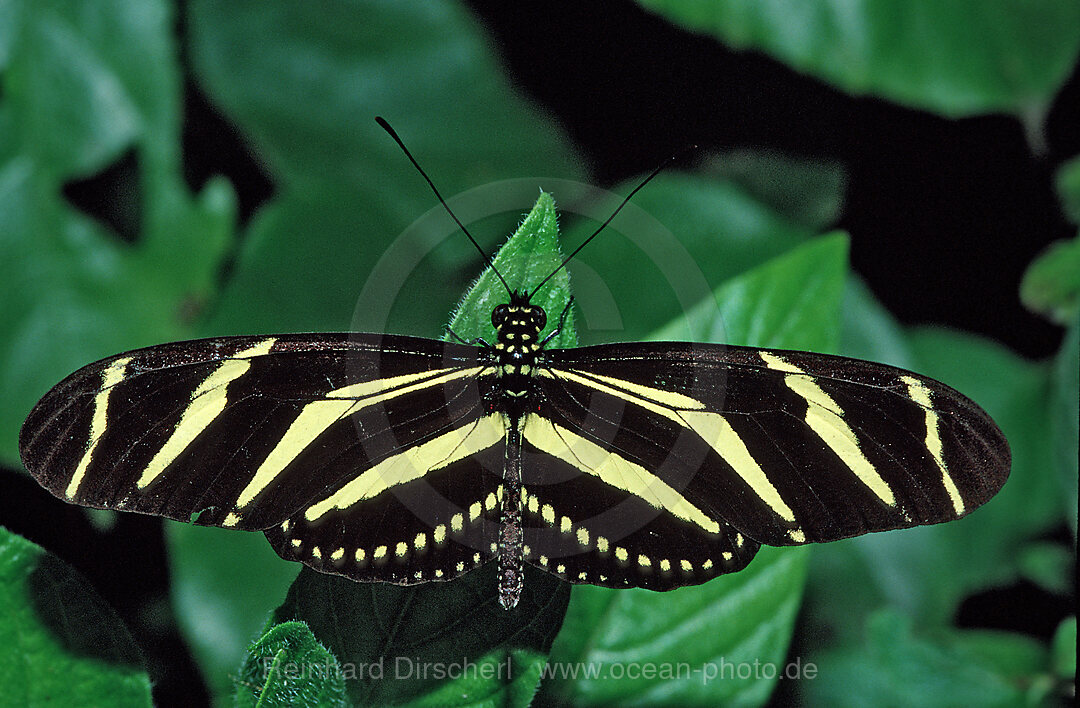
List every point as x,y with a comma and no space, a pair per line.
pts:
517,346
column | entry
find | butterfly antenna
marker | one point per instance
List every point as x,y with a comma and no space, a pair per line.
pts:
487,259
663,166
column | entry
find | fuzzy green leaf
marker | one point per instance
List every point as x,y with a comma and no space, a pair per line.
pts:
530,255
287,667
497,680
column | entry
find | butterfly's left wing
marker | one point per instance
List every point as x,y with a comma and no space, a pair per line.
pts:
363,455
785,447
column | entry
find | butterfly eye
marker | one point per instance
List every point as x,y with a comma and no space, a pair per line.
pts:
498,315
540,317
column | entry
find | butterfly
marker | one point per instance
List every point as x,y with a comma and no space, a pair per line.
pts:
391,458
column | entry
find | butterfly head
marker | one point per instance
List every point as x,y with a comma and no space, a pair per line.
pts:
518,317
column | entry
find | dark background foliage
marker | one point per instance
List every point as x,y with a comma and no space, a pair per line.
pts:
946,214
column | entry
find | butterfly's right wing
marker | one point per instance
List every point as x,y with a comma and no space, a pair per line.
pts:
787,447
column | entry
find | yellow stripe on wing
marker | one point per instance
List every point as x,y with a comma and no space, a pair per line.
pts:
112,375
414,462
920,393
612,469
316,417
208,401
824,417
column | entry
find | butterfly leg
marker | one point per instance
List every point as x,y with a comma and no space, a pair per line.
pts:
473,343
562,322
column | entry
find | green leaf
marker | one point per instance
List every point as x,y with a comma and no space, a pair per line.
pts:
397,643
771,305
60,644
896,667
1010,655
476,689
869,331
955,58
287,667
1049,565
1051,284
87,77
793,302
306,87
609,635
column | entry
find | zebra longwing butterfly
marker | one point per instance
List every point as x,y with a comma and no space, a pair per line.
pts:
408,460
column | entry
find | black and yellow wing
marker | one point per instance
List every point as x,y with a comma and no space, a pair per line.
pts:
369,456
730,447
644,465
